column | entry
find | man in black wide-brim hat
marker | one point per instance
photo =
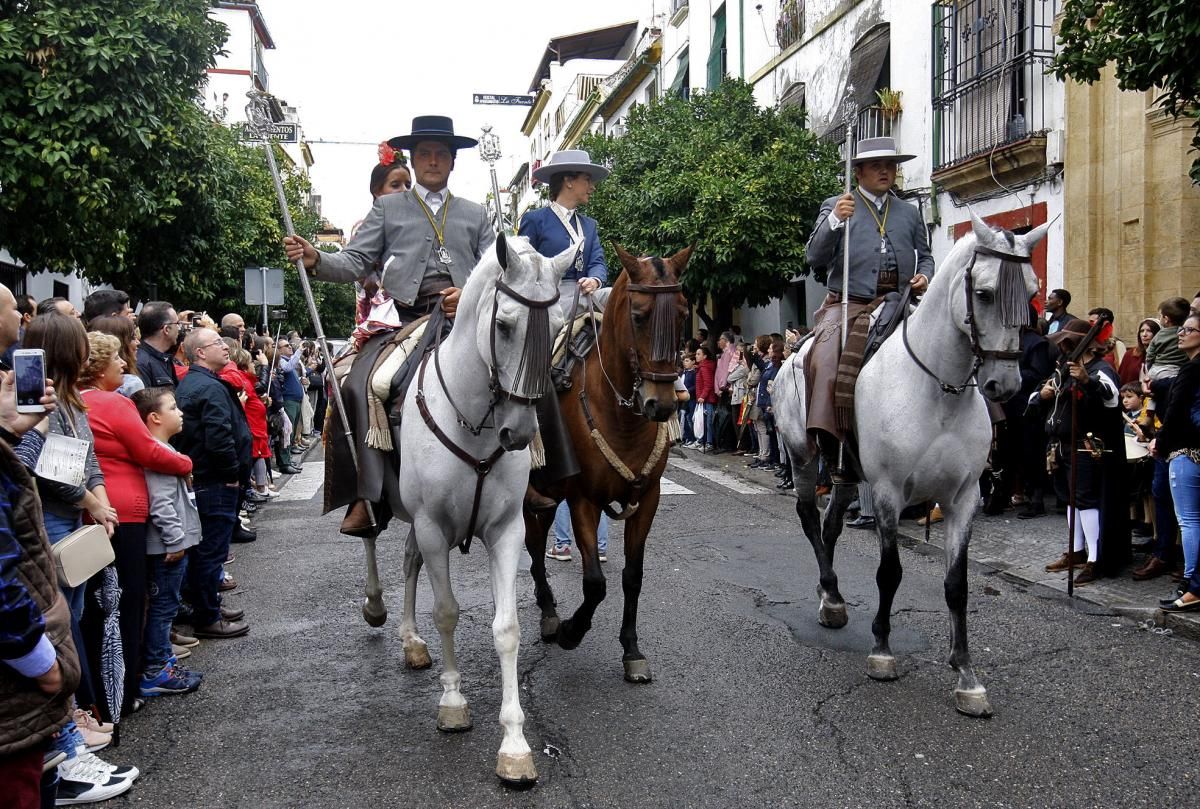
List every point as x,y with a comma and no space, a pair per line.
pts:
425,242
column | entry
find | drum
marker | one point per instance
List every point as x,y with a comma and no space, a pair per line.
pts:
1135,450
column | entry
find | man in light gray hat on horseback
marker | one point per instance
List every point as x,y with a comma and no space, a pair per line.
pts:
889,249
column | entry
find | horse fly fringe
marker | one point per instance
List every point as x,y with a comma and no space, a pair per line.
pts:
533,370
674,431
1012,294
537,451
663,338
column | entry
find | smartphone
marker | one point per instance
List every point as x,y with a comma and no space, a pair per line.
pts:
29,368
195,321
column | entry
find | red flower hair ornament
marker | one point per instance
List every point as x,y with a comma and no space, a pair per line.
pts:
389,156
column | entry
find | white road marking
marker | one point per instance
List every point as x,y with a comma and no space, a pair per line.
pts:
668,486
304,485
720,478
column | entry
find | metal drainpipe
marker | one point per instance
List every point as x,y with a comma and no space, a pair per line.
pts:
742,39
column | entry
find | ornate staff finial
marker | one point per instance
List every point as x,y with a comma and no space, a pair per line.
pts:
489,145
850,108
258,112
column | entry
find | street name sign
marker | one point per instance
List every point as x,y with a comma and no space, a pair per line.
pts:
502,100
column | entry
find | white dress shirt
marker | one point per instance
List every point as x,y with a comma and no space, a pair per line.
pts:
433,199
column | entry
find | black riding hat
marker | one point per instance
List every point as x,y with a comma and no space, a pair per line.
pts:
432,127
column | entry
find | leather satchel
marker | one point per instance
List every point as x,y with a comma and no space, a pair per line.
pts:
82,554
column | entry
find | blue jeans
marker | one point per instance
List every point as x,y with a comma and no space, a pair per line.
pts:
163,582
685,415
1164,512
1185,489
217,504
708,439
562,528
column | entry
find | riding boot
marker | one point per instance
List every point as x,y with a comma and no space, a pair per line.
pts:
560,456
536,501
357,523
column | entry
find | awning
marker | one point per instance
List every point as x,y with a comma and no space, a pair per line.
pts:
681,74
868,61
716,68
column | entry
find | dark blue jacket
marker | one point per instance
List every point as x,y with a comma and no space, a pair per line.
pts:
764,397
215,434
549,237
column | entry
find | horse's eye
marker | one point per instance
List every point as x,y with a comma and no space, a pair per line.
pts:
504,327
639,318
984,295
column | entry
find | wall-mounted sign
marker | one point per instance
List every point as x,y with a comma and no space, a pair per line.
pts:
503,100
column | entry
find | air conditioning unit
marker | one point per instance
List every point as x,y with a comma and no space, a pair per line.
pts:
1055,148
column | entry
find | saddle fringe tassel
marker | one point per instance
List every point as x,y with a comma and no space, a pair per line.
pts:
537,451
674,431
378,435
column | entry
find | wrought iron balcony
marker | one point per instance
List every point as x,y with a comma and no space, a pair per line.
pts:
789,28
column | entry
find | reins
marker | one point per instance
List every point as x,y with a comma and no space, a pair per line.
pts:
977,350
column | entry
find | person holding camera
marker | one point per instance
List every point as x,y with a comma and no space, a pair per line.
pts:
162,332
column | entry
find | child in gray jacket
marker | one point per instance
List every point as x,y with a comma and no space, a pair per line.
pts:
173,527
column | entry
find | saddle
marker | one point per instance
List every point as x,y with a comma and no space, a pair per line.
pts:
866,334
571,347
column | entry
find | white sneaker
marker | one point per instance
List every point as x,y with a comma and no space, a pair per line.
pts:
126,771
84,780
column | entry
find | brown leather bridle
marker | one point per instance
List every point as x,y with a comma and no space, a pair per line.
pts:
634,401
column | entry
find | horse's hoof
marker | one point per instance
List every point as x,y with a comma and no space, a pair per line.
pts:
516,771
882,668
833,616
638,671
567,638
416,655
973,702
454,719
374,615
550,624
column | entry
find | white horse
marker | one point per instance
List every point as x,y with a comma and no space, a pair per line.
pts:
467,422
923,433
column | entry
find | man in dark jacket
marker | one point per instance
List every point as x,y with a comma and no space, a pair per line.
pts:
160,328
217,439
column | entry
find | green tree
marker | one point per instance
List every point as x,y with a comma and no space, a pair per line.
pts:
1151,44
97,103
741,183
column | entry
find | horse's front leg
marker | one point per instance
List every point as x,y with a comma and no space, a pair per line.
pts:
970,697
453,712
637,529
373,609
537,525
585,519
881,663
514,763
416,651
823,536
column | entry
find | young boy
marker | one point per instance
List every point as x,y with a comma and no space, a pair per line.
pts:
173,527
689,405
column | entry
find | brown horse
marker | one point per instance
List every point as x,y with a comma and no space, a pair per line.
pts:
615,413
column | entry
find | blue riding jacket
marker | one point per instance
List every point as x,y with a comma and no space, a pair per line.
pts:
549,237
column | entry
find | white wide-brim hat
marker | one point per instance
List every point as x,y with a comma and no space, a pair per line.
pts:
878,149
569,161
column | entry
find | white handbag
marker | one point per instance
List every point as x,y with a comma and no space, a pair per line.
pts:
82,554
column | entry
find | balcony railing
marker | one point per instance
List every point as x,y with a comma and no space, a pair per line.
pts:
872,122
989,77
580,90
789,28
260,74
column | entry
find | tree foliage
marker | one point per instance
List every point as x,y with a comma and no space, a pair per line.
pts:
741,183
97,101
1152,45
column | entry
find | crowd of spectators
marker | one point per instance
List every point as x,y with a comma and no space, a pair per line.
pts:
170,428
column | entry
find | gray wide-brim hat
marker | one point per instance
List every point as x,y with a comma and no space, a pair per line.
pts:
569,161
878,149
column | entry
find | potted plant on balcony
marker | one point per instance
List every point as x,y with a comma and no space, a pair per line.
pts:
889,102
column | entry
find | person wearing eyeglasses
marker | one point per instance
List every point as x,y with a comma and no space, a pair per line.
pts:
218,440
161,332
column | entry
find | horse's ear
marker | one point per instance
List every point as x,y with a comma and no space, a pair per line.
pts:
502,250
983,231
628,261
679,261
562,262
1029,240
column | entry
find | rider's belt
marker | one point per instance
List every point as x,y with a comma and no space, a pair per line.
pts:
889,281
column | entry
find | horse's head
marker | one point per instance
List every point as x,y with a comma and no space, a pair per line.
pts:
646,312
516,318
996,282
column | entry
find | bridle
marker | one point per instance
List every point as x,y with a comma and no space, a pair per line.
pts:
977,350
634,401
527,398
498,391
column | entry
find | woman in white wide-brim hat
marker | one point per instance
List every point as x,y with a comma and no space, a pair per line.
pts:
572,176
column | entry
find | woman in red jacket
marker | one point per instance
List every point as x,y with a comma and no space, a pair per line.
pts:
124,447
706,395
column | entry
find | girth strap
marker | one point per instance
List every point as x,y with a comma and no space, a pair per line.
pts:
482,466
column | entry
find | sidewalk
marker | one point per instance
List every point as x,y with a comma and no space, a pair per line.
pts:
1018,550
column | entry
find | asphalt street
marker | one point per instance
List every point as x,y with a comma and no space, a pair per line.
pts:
752,704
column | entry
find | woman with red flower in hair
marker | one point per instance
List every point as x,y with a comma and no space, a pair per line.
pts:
390,176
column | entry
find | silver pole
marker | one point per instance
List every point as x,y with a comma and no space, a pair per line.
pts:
851,117
265,319
489,150
258,116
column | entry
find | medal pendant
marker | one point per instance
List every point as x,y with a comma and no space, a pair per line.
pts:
882,245
579,261
443,256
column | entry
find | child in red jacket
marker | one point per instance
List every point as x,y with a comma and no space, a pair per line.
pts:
706,395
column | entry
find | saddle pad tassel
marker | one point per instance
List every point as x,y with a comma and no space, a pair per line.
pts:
537,451
674,431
